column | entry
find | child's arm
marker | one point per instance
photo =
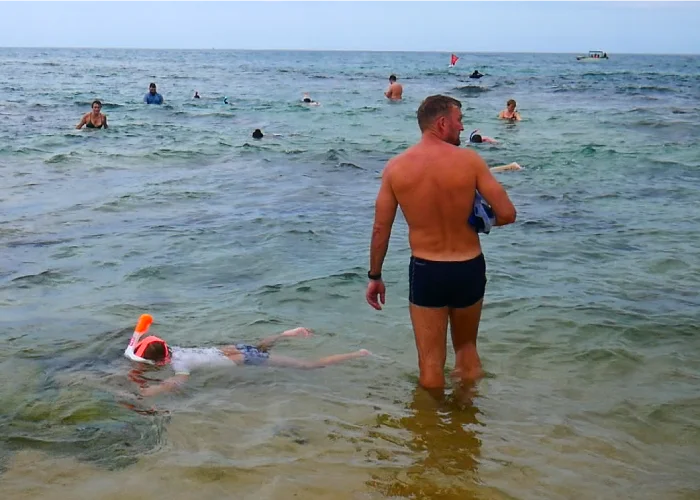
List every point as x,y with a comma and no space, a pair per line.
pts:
168,385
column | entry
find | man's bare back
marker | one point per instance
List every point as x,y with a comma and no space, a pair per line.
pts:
395,90
435,183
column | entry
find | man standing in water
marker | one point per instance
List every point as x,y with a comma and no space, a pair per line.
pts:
395,90
153,97
435,183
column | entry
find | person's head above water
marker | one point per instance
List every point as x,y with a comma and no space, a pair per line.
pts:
156,350
441,116
511,104
392,78
257,134
152,88
476,138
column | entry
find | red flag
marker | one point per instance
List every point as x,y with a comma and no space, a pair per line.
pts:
454,60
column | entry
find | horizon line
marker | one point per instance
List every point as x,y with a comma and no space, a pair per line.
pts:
353,50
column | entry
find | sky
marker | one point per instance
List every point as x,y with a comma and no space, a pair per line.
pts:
615,27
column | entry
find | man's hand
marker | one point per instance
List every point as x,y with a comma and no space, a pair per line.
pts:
375,288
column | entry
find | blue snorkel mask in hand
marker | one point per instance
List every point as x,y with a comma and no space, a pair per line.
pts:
482,217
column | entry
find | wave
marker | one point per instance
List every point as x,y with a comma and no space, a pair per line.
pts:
61,157
350,165
105,105
643,89
471,90
44,278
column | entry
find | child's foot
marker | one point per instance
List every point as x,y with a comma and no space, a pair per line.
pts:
299,332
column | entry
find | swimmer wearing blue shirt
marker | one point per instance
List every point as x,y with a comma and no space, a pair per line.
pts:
155,351
153,97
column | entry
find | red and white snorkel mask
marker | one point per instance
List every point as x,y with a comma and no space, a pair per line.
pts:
137,346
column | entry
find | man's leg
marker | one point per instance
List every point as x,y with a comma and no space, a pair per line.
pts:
430,331
319,363
464,325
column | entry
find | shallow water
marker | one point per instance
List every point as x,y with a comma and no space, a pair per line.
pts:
589,331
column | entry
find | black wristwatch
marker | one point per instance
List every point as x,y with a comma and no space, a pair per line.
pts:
374,277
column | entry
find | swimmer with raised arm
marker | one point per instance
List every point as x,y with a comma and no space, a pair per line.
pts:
155,351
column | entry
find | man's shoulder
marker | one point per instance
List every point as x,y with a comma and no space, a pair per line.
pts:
400,159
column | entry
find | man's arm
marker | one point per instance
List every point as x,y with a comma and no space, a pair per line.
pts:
385,208
492,191
167,385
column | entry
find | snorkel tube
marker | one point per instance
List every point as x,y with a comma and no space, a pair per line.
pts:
141,328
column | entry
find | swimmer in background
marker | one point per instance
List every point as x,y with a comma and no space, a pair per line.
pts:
476,74
506,168
478,138
155,351
94,119
306,99
257,134
509,113
196,95
153,97
395,90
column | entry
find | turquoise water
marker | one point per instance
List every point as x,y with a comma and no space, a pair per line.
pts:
589,332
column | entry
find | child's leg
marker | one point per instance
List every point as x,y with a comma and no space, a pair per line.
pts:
268,342
320,363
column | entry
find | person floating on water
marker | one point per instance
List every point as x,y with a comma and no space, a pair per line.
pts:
306,99
257,134
476,74
395,90
509,113
476,137
153,97
155,351
226,100
196,95
93,119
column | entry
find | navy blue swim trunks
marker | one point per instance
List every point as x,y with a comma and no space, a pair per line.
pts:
252,355
446,284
